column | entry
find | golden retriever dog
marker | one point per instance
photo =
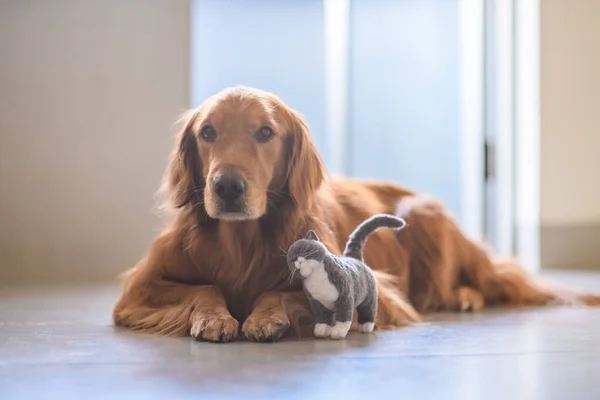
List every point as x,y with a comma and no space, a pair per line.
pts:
243,183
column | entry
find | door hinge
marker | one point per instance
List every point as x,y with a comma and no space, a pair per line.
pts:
489,161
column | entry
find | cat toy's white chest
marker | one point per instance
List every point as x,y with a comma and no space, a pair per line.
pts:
318,285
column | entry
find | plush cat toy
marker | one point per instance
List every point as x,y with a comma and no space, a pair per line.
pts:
335,286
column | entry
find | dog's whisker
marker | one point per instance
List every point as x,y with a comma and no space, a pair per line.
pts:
276,193
198,203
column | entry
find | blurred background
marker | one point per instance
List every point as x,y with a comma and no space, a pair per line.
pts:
489,105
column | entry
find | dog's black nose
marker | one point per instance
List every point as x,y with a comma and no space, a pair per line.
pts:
229,187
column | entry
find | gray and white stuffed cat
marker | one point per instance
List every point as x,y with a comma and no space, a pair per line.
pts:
335,286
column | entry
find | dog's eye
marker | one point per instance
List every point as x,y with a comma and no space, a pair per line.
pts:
264,134
208,133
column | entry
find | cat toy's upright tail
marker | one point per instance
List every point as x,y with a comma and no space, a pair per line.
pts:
358,238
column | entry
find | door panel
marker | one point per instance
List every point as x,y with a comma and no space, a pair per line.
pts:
404,85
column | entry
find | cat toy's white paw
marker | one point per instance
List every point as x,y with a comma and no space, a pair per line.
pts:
322,330
367,327
340,330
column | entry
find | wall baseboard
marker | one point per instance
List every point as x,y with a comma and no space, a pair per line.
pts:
574,246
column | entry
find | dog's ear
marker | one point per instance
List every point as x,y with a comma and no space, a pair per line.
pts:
183,181
305,171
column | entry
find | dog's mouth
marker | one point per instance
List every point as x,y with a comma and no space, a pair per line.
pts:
232,211
230,216
235,207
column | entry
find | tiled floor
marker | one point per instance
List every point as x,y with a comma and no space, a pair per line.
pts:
59,343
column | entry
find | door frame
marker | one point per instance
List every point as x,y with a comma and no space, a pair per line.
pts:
515,127
472,58
527,133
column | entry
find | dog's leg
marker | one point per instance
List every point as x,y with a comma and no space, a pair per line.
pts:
393,310
450,271
152,305
429,241
274,313
468,299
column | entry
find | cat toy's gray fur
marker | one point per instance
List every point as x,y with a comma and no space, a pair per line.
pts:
335,286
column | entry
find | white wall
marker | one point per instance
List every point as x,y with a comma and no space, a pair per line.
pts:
89,92
570,101
570,133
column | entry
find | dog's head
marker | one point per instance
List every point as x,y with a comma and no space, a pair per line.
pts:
237,149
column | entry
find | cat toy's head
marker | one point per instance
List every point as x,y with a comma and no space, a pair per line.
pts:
306,254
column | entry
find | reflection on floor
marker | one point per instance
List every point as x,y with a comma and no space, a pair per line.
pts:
59,343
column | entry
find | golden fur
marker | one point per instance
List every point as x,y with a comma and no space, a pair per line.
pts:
209,272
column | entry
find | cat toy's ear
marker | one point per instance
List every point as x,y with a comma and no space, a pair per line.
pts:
311,235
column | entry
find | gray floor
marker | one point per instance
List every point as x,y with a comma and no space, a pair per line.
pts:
59,343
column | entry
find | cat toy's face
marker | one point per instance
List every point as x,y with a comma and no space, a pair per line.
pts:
305,255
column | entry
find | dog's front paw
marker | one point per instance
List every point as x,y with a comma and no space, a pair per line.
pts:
214,327
265,328
469,299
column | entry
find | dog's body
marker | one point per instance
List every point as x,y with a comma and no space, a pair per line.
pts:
244,182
